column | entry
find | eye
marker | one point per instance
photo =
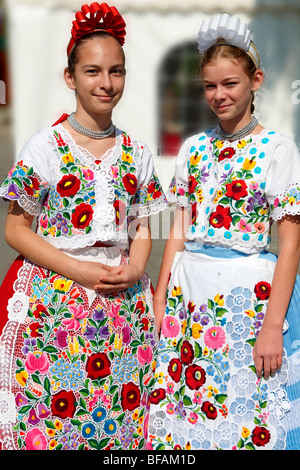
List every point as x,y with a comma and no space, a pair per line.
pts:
91,71
231,84
208,86
119,71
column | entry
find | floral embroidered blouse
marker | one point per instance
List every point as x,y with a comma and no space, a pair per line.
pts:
79,200
235,190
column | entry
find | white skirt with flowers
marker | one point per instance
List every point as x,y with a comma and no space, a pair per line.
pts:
207,395
76,368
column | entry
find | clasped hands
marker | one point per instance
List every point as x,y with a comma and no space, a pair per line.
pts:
108,279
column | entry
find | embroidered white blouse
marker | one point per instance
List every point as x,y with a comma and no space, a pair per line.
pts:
235,190
79,200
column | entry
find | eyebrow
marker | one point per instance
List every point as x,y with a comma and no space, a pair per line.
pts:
225,79
95,66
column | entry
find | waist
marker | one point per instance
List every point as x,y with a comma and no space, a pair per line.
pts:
224,252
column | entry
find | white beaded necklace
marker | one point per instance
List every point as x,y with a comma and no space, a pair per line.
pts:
89,132
239,134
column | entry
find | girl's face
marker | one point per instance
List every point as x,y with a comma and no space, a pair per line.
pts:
228,89
99,75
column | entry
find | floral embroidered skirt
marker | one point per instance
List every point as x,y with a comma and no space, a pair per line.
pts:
76,368
207,395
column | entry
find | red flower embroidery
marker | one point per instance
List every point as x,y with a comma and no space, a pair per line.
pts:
260,436
193,214
262,290
236,190
63,404
187,353
175,369
130,396
120,210
30,188
226,153
221,218
82,216
98,366
34,327
68,186
192,184
157,395
209,409
195,377
130,183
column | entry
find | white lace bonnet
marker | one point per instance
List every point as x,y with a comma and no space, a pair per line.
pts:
232,30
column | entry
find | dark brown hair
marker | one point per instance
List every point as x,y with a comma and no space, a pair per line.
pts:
73,57
221,50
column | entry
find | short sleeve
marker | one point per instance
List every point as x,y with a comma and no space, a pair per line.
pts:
28,180
178,190
283,179
149,197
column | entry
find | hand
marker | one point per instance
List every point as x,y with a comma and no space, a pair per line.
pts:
268,351
89,273
119,278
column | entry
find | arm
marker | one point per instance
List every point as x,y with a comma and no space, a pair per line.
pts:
24,240
174,243
268,348
139,251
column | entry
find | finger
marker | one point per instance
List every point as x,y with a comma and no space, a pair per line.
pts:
109,288
267,367
258,361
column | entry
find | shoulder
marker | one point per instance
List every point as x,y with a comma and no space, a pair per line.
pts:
277,139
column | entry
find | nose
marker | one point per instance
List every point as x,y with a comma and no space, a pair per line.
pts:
219,93
105,82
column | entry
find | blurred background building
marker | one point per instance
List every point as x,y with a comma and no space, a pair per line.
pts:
163,100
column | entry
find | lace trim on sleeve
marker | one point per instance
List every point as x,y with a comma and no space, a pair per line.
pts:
287,203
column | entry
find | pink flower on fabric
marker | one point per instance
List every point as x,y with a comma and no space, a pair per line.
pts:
117,319
35,440
214,337
88,174
145,355
73,323
37,362
243,226
170,327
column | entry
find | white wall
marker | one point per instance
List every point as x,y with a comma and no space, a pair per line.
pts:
39,33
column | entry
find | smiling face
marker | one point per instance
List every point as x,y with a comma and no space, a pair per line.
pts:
98,76
228,90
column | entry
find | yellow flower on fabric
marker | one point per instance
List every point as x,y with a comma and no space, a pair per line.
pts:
126,157
205,351
245,433
68,158
195,159
58,425
51,432
292,200
219,144
176,291
188,446
139,430
52,444
196,330
169,437
250,313
22,377
219,300
62,284
241,144
249,164
183,326
199,194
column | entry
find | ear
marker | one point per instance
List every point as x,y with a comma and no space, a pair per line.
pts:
257,80
69,79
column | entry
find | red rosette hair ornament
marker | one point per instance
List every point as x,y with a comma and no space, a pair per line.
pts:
97,18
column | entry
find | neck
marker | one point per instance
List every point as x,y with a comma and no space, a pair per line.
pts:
231,126
93,121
